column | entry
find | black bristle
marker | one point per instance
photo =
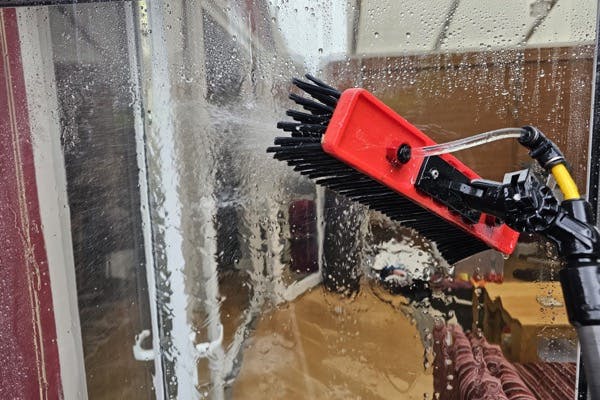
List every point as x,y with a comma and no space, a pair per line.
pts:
302,150
307,149
317,94
321,83
301,163
345,180
358,192
311,167
290,141
312,106
324,95
308,118
304,128
320,173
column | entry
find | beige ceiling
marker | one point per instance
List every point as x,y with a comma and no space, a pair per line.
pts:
412,26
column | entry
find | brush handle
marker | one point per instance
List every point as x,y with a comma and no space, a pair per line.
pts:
589,342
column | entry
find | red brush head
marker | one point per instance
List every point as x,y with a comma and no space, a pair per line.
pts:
366,134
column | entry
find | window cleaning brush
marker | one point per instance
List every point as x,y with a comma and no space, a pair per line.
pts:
353,144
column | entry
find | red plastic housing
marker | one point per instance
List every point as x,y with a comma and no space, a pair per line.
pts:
362,133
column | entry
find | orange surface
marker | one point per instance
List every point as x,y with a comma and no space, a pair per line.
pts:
322,346
517,308
519,300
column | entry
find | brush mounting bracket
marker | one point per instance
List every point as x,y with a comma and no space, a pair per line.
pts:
521,200
439,179
528,205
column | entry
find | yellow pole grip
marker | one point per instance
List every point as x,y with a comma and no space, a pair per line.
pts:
565,182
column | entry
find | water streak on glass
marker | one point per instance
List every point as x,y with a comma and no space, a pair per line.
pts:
263,285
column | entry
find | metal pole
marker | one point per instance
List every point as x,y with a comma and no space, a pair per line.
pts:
587,335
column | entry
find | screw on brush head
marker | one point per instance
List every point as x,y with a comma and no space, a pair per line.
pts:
399,156
404,153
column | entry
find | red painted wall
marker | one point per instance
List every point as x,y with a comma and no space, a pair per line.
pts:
29,365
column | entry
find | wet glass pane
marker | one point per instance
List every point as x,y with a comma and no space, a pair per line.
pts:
252,281
95,97
251,240
89,81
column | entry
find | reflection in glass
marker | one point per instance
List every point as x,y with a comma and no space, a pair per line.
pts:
260,284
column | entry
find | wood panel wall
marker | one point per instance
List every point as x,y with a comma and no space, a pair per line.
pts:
450,96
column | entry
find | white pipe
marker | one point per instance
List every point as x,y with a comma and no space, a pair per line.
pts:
168,207
208,208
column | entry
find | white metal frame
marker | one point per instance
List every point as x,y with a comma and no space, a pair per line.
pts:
158,144
157,380
160,139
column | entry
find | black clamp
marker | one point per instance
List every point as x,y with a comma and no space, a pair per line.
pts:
542,149
440,180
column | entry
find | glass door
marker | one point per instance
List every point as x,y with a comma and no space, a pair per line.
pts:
206,269
82,71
